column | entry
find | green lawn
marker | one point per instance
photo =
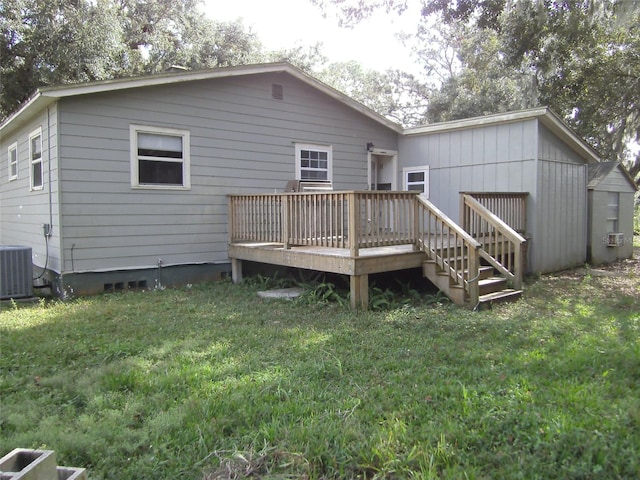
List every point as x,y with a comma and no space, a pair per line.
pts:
211,382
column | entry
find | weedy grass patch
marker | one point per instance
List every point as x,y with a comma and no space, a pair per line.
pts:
212,382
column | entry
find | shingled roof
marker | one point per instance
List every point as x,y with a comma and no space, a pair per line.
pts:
599,171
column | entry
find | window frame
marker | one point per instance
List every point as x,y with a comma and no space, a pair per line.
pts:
33,162
611,208
328,149
185,160
12,164
406,171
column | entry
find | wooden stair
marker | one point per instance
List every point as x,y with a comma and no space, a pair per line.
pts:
471,272
493,287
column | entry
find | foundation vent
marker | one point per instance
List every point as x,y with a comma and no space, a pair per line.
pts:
16,272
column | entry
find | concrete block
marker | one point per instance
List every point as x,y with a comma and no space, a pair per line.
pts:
24,464
70,473
286,293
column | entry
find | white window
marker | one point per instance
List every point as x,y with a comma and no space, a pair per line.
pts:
35,158
416,179
159,157
314,162
13,161
613,202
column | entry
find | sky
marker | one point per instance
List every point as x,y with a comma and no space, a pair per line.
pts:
283,24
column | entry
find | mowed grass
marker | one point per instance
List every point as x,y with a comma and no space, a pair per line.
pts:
211,382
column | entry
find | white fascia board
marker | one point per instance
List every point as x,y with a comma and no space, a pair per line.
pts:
577,143
543,114
486,120
34,104
159,79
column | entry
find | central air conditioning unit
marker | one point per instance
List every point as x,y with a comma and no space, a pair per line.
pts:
615,239
308,186
16,272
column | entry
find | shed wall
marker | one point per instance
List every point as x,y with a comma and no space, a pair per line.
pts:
559,240
242,141
599,252
23,211
496,158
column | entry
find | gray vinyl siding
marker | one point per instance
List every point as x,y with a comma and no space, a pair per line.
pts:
242,141
497,158
22,211
615,181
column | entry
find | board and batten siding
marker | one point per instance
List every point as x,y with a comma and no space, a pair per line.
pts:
495,158
559,239
23,211
519,156
242,141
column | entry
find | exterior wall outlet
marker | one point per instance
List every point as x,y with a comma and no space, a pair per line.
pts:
46,229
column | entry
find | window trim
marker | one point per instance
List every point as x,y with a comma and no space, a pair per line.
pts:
613,219
318,148
422,169
36,133
134,130
12,148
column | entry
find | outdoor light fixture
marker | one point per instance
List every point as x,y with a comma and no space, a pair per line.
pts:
369,147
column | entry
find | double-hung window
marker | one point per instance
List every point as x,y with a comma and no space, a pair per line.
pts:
160,157
314,162
13,161
35,158
416,179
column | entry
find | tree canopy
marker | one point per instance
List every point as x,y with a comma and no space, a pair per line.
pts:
579,57
47,42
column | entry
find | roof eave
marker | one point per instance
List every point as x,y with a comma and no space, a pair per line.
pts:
485,120
562,130
51,94
35,103
543,114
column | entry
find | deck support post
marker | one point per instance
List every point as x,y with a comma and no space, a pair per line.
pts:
236,270
359,292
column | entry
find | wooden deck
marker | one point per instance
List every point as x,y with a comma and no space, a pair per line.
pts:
362,233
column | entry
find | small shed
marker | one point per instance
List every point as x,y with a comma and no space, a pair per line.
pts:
611,193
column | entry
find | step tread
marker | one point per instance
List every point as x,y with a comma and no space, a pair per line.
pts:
491,281
506,294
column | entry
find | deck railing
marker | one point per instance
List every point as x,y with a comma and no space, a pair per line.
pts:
350,219
450,247
511,207
502,246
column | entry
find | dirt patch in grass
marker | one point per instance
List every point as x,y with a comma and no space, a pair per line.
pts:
619,279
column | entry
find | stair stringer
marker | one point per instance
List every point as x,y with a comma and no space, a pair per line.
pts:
441,280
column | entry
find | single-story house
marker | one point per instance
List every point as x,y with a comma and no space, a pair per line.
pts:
124,183
611,192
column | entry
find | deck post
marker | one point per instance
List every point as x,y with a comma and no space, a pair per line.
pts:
236,270
418,237
354,216
474,266
285,222
359,292
518,262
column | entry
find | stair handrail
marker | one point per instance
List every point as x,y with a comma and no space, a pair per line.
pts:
516,242
463,274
